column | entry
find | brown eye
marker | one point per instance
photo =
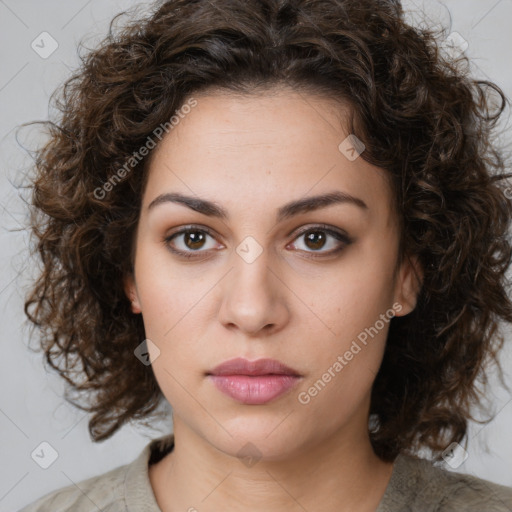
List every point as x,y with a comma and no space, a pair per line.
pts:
315,239
189,242
193,239
318,237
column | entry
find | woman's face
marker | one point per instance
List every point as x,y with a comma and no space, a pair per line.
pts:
310,286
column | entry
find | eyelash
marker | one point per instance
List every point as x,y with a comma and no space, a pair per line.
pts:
338,235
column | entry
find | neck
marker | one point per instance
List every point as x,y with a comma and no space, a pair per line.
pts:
335,475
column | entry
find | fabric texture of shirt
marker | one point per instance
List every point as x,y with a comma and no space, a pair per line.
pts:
416,485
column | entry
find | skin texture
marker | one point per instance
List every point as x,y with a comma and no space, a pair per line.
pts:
251,155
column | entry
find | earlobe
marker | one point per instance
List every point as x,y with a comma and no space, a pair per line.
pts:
131,292
408,284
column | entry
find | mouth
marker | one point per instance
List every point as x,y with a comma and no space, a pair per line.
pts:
254,382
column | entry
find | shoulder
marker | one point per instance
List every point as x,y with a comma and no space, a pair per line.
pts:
101,492
122,489
419,484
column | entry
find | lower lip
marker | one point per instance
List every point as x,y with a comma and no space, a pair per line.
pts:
254,390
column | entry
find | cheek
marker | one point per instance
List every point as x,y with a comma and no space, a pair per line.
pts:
173,304
356,311
171,323
165,295
354,345
343,368
333,397
355,300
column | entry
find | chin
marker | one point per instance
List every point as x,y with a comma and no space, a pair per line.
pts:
257,440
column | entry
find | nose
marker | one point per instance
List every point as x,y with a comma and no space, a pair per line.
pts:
253,297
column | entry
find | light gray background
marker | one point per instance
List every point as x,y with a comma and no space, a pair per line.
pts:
32,409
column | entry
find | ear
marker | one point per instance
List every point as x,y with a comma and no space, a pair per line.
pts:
408,284
131,292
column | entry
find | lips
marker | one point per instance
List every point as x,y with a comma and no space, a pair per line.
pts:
254,382
241,366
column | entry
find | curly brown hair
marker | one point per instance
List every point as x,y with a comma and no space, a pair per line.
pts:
421,117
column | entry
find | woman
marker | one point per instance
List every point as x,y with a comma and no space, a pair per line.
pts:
287,219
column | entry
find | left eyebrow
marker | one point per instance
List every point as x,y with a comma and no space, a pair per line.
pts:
317,202
291,209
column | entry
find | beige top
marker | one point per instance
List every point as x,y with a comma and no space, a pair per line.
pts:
415,486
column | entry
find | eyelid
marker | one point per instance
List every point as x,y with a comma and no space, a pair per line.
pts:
327,228
191,227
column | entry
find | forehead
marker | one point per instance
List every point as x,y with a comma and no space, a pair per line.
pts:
278,145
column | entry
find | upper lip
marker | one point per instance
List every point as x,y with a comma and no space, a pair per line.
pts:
241,366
